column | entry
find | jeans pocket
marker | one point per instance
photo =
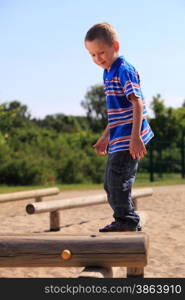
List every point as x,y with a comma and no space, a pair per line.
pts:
122,167
118,174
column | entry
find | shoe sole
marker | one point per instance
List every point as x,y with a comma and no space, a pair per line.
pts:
119,230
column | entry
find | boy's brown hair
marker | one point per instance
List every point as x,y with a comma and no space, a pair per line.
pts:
102,31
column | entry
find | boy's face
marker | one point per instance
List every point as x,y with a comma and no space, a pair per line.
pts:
102,53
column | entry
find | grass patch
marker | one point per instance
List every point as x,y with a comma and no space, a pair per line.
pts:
141,181
62,187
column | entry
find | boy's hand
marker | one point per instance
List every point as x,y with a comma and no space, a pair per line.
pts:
101,145
137,148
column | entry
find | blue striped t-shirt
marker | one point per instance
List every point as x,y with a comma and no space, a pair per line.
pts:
119,82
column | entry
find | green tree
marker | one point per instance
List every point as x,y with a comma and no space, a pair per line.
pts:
95,107
164,123
13,115
168,125
63,123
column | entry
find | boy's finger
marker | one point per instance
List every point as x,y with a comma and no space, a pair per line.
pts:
145,151
133,155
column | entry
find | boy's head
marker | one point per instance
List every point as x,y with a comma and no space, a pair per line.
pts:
102,43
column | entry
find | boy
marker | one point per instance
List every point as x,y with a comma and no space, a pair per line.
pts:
127,131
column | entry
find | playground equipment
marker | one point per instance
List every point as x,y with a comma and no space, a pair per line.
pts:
53,207
37,194
97,253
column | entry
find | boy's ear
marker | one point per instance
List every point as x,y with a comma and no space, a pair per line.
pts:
116,46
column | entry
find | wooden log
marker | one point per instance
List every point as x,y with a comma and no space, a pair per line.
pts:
28,194
48,206
128,249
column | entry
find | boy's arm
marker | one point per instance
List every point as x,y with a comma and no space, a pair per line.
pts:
137,148
101,145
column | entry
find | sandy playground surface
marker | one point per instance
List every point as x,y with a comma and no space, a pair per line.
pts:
164,213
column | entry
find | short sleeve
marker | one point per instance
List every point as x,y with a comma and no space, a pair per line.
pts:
130,82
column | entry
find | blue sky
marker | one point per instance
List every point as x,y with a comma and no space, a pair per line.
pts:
43,62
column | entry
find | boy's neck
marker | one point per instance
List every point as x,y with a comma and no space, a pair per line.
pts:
116,56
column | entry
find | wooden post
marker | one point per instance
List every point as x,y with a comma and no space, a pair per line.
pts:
38,199
55,220
137,271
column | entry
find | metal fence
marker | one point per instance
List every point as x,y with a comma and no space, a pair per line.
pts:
164,158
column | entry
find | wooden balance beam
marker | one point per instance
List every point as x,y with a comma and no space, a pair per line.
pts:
53,207
37,194
128,249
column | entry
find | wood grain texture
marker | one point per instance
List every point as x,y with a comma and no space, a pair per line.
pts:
55,220
128,249
48,206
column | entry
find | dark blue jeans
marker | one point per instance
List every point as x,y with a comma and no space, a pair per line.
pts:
119,177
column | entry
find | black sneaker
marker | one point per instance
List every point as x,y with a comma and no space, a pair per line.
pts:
119,226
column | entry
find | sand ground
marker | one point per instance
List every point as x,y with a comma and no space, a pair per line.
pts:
163,212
